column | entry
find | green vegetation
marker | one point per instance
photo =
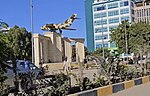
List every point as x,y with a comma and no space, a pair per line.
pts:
60,85
15,43
99,53
3,25
138,37
19,41
4,53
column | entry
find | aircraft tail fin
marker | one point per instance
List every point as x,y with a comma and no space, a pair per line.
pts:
69,21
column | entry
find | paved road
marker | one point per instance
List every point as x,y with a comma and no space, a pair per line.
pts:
140,90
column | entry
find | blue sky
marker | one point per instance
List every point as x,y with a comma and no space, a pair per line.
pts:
17,12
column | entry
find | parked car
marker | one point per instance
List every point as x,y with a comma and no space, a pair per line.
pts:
26,72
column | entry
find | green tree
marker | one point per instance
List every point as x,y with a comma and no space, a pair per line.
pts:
99,52
118,35
4,52
3,25
19,41
138,37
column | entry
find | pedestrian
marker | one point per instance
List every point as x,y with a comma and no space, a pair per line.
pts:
66,65
95,63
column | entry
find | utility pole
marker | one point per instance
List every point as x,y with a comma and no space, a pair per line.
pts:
102,36
31,18
126,41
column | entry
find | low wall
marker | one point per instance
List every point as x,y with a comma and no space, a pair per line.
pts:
110,89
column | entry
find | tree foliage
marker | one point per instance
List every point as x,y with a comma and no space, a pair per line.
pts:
99,52
4,52
19,41
15,44
138,37
3,25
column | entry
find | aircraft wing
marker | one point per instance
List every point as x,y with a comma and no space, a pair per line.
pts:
68,28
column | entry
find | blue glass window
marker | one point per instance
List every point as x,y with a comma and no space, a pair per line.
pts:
100,22
99,45
99,8
113,13
112,27
106,45
113,20
99,37
112,5
124,11
99,30
124,3
125,18
100,15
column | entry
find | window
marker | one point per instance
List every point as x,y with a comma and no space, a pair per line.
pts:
112,5
99,45
113,13
124,11
98,30
113,20
100,22
112,27
99,8
124,3
100,15
125,18
106,45
99,37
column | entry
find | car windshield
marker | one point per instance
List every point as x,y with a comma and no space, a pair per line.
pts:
23,65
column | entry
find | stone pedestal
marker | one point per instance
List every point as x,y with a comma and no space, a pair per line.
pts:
41,49
56,47
51,48
67,49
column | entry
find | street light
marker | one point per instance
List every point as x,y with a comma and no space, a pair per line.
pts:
125,29
126,40
31,18
102,35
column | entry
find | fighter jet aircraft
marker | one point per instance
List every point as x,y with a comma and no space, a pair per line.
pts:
61,26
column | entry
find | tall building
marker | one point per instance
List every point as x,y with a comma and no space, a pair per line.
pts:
142,11
89,25
107,14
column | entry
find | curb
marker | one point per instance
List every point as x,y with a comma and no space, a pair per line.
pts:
110,89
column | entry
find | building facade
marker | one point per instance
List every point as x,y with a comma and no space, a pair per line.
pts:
108,14
142,11
89,25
